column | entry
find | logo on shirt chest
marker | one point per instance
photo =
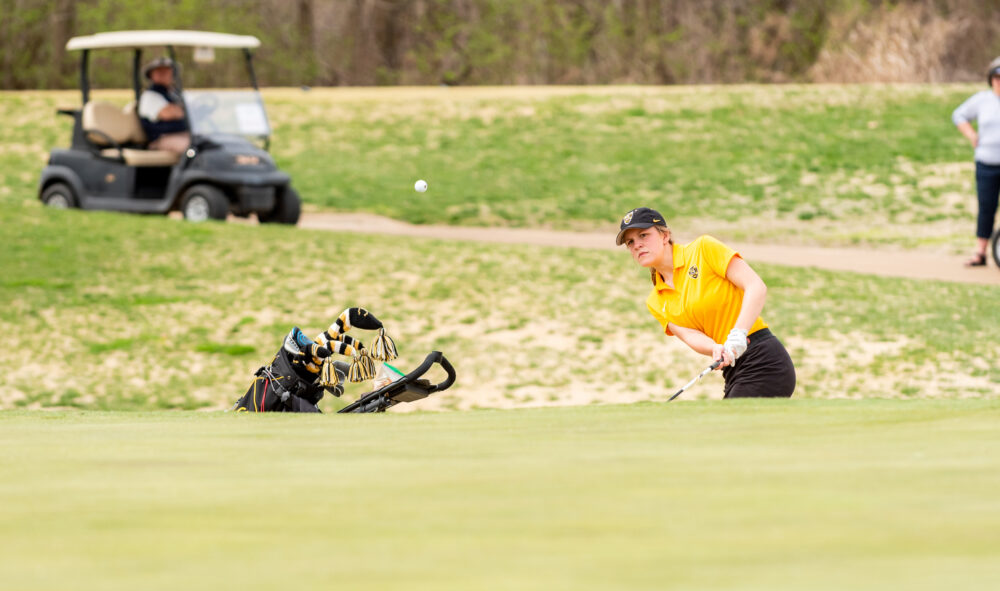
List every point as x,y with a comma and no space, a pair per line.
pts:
693,271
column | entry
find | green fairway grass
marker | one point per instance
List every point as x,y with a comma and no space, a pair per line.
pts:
770,495
865,164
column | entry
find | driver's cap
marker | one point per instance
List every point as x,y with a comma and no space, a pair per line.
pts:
160,62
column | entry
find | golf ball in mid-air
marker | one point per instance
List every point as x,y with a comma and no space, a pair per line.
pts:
420,186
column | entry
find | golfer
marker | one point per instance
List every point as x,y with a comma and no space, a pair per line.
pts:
984,108
706,295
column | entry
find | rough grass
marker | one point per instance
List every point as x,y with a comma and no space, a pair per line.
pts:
864,164
766,495
111,311
104,311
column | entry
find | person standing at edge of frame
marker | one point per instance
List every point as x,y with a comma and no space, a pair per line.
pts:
984,108
706,295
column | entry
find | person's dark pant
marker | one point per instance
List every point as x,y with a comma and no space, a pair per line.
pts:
987,189
765,370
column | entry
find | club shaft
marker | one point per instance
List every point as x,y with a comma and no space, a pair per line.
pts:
698,377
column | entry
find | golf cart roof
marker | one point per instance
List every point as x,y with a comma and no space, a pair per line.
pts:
160,38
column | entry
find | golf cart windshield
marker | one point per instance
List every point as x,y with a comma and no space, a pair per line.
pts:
232,112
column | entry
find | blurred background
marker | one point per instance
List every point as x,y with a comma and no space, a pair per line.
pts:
497,42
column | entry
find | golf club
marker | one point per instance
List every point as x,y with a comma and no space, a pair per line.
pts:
698,377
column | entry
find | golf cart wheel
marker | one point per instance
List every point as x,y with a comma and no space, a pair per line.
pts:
204,202
286,211
995,247
59,196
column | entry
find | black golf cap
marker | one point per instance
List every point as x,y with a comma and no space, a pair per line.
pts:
642,217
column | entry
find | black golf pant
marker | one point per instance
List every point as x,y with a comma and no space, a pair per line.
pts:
765,370
988,190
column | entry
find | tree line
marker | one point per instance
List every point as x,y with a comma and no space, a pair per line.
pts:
476,42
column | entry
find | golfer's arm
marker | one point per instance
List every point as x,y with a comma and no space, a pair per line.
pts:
754,292
970,134
693,338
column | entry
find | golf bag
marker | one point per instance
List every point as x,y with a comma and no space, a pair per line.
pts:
286,386
303,370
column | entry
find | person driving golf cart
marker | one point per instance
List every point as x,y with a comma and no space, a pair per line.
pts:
202,152
161,112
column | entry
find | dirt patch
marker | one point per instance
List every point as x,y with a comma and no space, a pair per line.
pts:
884,262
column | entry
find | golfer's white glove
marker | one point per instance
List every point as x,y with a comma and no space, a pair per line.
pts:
736,343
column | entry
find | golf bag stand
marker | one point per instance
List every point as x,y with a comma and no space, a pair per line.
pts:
406,389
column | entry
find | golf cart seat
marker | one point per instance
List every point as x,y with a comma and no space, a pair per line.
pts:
107,125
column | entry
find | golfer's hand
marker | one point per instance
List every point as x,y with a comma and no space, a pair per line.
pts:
735,345
719,354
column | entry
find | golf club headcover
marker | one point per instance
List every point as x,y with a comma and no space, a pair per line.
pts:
333,375
312,357
342,345
305,351
337,329
383,348
362,367
354,318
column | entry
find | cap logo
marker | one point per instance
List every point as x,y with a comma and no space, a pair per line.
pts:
656,221
628,217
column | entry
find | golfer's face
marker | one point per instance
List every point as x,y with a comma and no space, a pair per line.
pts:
645,245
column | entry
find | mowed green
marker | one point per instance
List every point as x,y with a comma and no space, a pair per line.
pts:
811,494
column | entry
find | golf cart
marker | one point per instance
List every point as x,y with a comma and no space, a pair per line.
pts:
226,169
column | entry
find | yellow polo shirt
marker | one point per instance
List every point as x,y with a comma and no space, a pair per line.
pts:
702,298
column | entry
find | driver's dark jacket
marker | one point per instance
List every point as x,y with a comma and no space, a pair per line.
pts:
155,129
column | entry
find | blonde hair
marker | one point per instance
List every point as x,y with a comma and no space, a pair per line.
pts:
670,241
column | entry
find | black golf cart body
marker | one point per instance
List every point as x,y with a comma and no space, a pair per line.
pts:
226,169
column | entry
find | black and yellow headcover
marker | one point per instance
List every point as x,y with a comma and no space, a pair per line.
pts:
362,364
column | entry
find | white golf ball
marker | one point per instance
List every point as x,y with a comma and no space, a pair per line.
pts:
420,186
